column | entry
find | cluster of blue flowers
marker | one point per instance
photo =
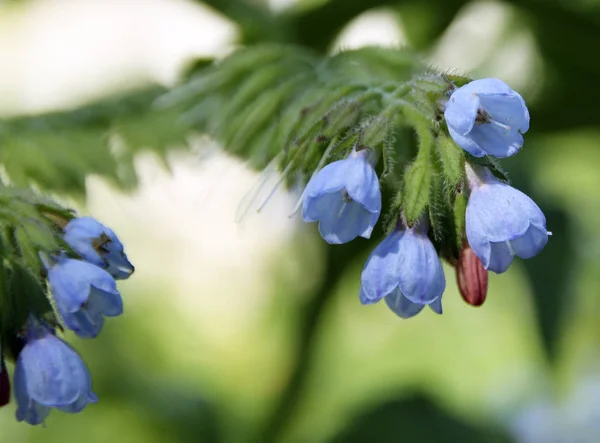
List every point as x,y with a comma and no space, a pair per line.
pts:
48,372
485,118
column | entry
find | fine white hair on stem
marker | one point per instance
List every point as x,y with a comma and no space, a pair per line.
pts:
253,193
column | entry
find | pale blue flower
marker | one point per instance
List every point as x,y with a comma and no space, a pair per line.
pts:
344,197
84,295
486,117
405,270
501,221
49,374
99,245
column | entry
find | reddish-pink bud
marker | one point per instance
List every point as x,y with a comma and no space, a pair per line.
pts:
4,384
471,277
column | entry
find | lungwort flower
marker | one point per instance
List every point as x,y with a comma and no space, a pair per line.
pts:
486,117
99,245
84,294
406,271
49,374
501,221
344,197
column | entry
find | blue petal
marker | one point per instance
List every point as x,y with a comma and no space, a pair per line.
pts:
436,306
402,306
363,185
88,321
501,221
83,293
72,280
319,206
486,87
500,137
86,397
28,410
509,109
69,290
54,374
380,273
496,141
355,175
340,220
500,258
119,265
531,243
84,323
404,260
466,143
419,269
346,222
107,303
461,111
364,299
79,404
498,212
80,234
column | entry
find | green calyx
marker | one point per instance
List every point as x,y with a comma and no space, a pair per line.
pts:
30,227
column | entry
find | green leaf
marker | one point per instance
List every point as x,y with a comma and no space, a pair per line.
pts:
58,150
376,131
417,186
460,208
26,297
451,158
437,207
417,182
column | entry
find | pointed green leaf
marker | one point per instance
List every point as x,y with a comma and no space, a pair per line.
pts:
460,207
451,158
417,182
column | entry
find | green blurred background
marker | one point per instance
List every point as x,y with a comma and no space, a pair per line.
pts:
251,330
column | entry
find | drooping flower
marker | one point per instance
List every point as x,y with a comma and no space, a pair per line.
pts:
84,295
49,374
405,270
344,197
99,245
471,277
501,221
486,117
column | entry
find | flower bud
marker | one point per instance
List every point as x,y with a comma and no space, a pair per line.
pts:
471,277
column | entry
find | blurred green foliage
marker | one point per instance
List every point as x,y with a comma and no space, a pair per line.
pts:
318,367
